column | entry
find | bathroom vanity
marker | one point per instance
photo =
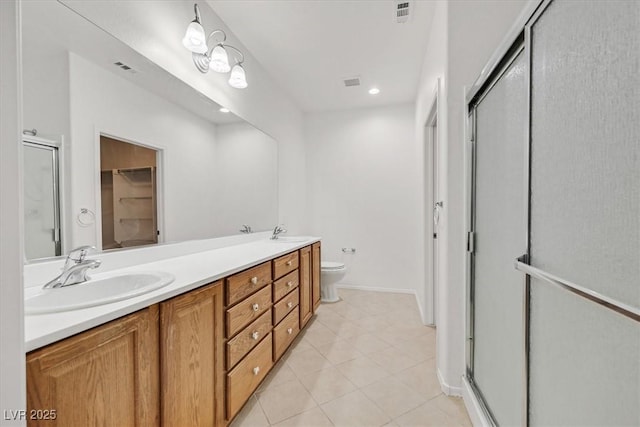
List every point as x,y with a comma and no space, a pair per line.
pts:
193,356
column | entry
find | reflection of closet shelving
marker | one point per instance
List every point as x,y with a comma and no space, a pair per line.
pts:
134,206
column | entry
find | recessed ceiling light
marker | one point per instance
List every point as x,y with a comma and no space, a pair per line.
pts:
224,110
374,91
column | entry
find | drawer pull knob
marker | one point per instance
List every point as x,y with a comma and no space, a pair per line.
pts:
289,263
255,335
256,307
256,370
289,304
254,280
290,331
289,284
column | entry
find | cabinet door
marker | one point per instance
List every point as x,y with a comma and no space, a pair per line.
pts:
107,376
315,275
192,372
305,285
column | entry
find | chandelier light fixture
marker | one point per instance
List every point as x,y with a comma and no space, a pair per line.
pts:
217,57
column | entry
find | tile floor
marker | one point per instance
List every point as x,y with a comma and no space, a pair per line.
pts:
364,361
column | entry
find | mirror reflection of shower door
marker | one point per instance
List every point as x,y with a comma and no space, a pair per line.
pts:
42,237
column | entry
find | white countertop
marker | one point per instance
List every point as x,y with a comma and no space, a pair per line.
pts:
190,271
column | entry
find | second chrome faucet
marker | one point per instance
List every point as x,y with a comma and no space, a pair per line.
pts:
276,231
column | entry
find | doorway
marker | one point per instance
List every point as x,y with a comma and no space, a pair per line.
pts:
128,187
433,207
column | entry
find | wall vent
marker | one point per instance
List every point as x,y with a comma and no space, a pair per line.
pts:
402,11
352,81
124,67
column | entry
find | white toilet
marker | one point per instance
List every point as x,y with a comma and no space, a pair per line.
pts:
331,273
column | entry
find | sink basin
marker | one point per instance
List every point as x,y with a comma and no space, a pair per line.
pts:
96,292
291,239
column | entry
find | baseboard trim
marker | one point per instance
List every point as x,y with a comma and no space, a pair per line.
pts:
375,289
446,388
476,414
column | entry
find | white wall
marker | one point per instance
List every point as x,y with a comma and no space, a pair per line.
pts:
156,28
12,361
363,175
475,29
246,165
434,69
46,93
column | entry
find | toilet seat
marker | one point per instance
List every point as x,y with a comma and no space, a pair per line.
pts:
329,266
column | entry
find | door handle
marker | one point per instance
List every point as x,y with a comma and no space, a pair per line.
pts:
436,212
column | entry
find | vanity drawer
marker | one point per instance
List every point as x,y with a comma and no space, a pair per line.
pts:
283,286
282,308
244,378
247,339
285,333
247,282
248,310
285,264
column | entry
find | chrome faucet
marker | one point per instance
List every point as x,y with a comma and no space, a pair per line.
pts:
75,268
246,229
277,230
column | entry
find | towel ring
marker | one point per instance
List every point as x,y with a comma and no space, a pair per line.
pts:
86,217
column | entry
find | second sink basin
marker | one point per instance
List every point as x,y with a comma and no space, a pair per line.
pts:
96,292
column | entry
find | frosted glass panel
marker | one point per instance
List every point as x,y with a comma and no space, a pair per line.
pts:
585,145
585,212
584,363
500,228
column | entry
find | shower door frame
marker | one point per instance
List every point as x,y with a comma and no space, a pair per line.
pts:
517,41
515,49
490,74
57,152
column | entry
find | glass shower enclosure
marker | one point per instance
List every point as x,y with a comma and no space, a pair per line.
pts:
554,293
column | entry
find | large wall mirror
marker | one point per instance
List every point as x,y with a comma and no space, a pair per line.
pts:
120,153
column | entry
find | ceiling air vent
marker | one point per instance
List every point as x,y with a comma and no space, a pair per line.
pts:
402,11
124,67
352,81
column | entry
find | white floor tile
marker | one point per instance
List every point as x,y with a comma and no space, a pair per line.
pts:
362,362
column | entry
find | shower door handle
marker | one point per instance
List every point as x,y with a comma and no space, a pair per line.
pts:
629,311
436,213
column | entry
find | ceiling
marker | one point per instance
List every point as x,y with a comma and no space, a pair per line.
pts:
310,46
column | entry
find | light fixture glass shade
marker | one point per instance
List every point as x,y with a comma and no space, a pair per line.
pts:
195,39
219,60
238,77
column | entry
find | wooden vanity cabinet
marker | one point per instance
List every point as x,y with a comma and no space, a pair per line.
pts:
107,376
315,275
192,358
306,304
